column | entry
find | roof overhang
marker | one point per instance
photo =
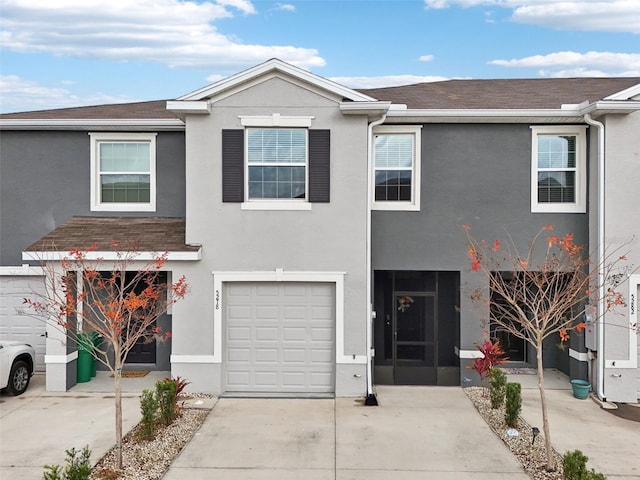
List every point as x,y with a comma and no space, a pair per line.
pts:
567,114
188,107
93,124
57,256
371,109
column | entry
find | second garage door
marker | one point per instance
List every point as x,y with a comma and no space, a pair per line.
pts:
279,337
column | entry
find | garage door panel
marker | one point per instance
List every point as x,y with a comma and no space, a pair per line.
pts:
240,355
267,355
22,328
294,334
291,343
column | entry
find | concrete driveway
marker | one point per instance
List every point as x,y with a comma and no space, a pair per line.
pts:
416,433
37,427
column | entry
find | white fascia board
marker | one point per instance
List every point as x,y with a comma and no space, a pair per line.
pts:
611,106
365,108
277,65
95,124
485,114
21,271
626,94
186,106
57,256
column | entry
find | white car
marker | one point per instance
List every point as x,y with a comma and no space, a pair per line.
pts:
17,363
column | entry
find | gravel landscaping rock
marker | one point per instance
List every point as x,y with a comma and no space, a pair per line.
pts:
533,456
149,459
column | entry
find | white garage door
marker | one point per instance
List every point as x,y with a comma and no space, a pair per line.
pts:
22,328
280,337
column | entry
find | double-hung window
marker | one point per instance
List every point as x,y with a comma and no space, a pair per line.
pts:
396,175
123,172
277,163
558,169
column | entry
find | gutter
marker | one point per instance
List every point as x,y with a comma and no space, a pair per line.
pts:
601,257
371,397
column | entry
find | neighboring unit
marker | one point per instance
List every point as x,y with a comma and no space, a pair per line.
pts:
319,227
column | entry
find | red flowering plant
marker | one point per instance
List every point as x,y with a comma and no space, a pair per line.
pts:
492,355
118,300
542,291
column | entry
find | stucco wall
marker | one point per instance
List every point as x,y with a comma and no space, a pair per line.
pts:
478,175
45,179
622,225
330,237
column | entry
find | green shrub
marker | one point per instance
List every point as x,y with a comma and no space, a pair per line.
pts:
574,466
513,404
593,475
166,395
497,387
149,410
78,466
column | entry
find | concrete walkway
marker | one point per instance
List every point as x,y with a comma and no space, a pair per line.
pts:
415,433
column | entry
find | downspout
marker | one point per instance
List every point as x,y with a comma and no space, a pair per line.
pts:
601,254
371,397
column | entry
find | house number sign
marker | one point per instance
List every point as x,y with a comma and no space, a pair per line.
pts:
217,299
632,304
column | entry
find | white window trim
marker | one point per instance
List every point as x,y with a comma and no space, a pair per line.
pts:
580,205
414,204
96,204
275,120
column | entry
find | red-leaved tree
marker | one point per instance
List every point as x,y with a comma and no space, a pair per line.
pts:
542,292
119,300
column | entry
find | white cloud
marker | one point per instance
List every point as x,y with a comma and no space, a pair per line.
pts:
586,15
287,7
566,64
426,58
385,81
20,94
170,32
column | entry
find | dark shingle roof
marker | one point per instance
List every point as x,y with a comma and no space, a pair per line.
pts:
156,109
450,94
507,93
144,234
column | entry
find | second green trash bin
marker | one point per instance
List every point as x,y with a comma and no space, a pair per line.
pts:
84,358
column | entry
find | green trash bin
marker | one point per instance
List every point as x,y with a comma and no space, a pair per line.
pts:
96,341
84,358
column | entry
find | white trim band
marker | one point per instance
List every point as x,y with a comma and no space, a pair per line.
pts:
580,356
468,353
111,256
193,359
58,359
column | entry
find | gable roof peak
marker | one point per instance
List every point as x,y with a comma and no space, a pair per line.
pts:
275,65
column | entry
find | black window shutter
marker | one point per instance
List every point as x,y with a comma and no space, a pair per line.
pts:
233,165
319,165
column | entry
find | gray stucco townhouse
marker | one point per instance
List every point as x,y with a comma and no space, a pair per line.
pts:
319,227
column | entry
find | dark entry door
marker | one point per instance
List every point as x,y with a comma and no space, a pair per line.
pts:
414,339
142,352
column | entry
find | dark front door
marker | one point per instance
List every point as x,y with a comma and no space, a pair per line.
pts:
142,352
414,339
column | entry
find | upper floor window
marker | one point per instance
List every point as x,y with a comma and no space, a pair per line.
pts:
396,151
277,163
123,172
558,169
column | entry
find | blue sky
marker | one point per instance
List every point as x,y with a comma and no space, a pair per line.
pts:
60,53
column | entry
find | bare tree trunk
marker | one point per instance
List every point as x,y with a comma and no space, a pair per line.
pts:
117,376
551,463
